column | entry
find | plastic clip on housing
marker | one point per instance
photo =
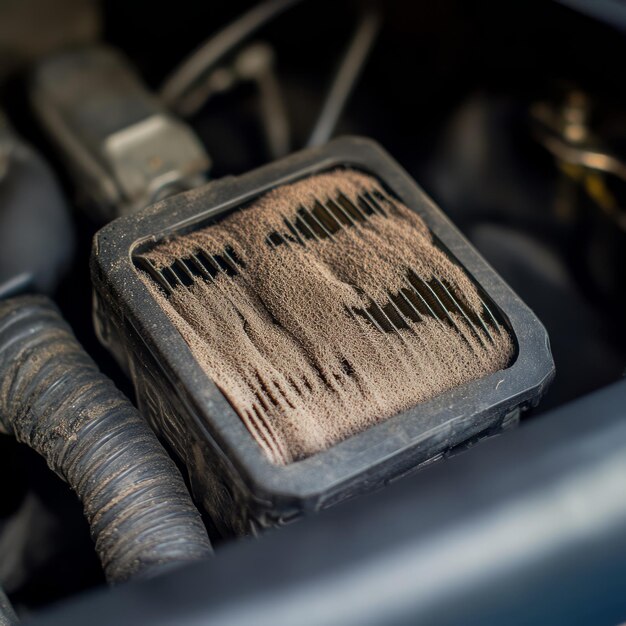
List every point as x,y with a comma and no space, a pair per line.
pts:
240,486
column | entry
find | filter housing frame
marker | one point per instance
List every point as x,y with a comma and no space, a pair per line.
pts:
230,474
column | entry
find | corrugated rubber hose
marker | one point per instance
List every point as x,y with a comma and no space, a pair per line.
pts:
54,399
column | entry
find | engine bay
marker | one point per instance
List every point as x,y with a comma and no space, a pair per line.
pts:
261,260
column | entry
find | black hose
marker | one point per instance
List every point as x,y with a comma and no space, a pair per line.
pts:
36,232
53,398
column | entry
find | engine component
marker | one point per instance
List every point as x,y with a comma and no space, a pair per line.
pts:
36,235
178,301
585,135
54,399
124,148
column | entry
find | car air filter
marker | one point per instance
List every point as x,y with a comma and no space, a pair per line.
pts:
311,330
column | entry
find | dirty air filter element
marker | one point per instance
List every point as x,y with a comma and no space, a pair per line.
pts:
323,308
311,330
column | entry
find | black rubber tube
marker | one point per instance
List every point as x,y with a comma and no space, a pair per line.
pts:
36,231
54,399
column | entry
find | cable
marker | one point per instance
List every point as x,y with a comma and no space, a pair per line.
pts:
347,74
182,79
256,63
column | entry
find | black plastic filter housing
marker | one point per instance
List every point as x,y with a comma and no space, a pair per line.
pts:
231,476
